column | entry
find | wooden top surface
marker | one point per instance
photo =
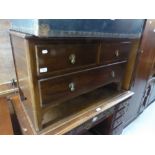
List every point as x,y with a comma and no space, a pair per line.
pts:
7,89
71,122
5,119
30,36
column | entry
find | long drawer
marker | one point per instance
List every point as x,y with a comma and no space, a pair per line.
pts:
58,57
114,51
59,89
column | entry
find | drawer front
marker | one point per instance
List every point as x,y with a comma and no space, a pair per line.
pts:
122,105
65,57
118,130
117,122
113,52
120,113
62,88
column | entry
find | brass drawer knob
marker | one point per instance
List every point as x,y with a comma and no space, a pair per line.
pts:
72,87
72,58
113,74
117,53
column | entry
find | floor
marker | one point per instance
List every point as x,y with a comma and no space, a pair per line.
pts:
144,124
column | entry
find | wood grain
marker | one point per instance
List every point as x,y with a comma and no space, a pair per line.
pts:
58,56
23,78
45,89
130,67
5,119
71,122
53,90
114,51
7,89
144,64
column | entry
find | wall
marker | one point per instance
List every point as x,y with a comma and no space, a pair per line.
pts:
7,71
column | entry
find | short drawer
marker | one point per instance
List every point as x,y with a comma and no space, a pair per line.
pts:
114,51
65,57
118,130
122,105
59,89
120,113
117,122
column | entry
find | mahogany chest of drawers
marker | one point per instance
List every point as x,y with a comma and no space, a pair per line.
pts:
52,71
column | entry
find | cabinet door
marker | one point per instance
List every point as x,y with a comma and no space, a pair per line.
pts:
142,70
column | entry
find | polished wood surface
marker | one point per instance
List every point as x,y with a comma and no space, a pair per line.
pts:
23,75
26,125
53,90
67,124
66,57
113,124
70,64
109,122
59,82
5,118
144,64
130,67
92,123
114,51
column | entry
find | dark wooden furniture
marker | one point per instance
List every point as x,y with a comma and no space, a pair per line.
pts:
109,122
6,127
149,93
143,80
53,73
96,111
